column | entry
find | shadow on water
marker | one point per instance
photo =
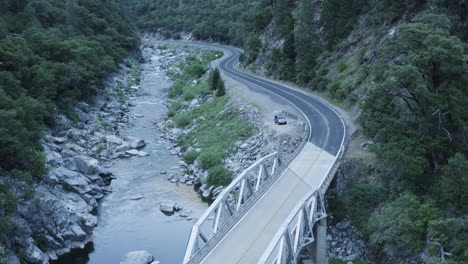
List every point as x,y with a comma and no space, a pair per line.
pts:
76,256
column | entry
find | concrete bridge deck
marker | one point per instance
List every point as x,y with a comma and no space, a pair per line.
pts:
247,241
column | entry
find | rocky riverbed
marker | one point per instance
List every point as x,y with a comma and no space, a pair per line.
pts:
116,182
61,214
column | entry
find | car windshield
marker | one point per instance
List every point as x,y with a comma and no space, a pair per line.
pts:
280,117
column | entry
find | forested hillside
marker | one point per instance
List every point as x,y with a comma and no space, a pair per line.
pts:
52,54
401,66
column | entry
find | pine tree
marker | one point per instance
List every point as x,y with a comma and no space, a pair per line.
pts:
221,89
214,79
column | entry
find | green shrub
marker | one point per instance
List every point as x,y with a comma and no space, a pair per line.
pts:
66,186
189,95
219,176
171,113
190,156
195,70
100,147
209,158
176,89
341,65
182,120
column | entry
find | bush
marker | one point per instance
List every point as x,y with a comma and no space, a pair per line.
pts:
401,225
219,176
209,158
195,70
182,120
176,89
341,66
171,113
190,156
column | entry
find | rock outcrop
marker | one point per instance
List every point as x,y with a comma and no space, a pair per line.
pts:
138,257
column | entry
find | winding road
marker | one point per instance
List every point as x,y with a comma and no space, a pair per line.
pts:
249,238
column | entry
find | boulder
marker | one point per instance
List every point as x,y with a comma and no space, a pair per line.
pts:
142,154
34,255
71,179
114,105
87,165
343,225
133,152
135,142
185,213
59,140
168,206
137,257
123,147
206,191
53,158
114,139
68,154
70,164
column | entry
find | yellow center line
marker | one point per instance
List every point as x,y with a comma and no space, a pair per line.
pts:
248,78
301,179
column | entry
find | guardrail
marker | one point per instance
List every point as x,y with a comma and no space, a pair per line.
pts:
297,230
233,202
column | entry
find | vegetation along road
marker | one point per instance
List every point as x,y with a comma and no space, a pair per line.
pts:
306,172
327,128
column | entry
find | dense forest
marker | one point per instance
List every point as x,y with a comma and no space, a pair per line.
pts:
52,53
403,64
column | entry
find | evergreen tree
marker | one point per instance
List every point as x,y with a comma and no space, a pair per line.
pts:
306,42
215,77
221,89
416,113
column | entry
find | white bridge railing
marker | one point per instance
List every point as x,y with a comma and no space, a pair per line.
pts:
297,230
232,201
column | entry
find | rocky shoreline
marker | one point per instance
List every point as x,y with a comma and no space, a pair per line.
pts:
263,142
61,214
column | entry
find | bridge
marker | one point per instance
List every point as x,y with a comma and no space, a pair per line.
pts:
275,208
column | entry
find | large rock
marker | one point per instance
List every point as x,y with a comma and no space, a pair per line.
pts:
53,158
137,257
122,148
113,139
135,142
70,179
87,165
343,225
168,206
34,255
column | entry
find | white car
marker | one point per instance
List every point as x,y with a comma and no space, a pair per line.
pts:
280,120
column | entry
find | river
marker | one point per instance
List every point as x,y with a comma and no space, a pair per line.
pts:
129,217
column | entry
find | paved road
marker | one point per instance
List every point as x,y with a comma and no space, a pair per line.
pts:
248,239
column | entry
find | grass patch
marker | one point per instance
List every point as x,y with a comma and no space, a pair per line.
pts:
182,120
218,130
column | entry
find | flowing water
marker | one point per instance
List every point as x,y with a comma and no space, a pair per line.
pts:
129,217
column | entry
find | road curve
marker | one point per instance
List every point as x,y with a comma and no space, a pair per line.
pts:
249,238
328,129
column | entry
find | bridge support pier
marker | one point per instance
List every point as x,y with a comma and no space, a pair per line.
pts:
321,251
318,248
